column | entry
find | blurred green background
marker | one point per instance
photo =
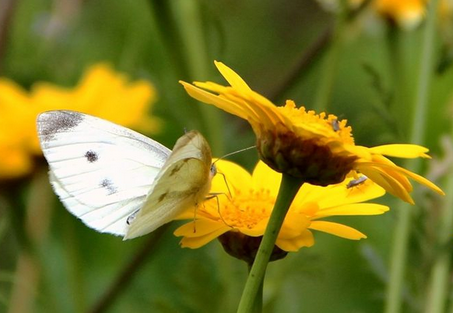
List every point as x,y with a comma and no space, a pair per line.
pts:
374,73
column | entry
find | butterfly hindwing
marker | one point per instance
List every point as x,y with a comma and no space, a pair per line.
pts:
183,182
101,171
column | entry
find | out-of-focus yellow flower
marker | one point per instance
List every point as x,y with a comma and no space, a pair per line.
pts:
17,130
406,13
318,148
104,93
101,92
246,213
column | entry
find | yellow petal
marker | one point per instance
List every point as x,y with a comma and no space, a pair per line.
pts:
386,181
353,209
232,77
222,103
334,195
237,177
337,230
401,151
257,230
294,244
295,223
197,242
266,178
416,177
199,228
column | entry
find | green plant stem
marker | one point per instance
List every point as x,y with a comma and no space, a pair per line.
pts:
258,303
439,280
169,35
329,70
288,190
310,57
402,231
400,97
127,274
167,30
198,63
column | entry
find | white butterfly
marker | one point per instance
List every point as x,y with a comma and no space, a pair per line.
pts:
118,181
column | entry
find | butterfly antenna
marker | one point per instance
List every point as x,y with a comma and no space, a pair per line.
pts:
233,153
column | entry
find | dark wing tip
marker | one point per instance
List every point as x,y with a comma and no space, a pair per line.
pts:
53,122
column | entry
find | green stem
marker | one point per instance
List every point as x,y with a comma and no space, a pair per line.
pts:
400,97
198,63
127,274
288,190
329,71
258,303
167,30
401,239
438,286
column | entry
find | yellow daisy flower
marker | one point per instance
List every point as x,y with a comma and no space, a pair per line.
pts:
17,130
246,213
318,148
409,13
101,92
104,93
406,13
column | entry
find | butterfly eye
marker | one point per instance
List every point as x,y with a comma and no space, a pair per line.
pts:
213,170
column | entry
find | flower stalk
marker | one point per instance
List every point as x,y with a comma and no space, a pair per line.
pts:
440,277
288,190
193,38
330,66
400,246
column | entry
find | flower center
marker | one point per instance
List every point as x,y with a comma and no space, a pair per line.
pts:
327,126
248,208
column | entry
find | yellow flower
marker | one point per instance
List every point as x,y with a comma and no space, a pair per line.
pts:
409,13
318,148
101,92
17,130
406,13
252,199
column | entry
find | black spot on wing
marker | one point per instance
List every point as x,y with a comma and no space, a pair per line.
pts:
108,184
91,156
55,122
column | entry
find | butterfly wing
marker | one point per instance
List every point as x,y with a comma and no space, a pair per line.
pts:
101,171
183,182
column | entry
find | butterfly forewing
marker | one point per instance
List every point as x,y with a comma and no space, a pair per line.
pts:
101,171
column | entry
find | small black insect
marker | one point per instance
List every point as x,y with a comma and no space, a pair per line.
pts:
335,125
356,182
